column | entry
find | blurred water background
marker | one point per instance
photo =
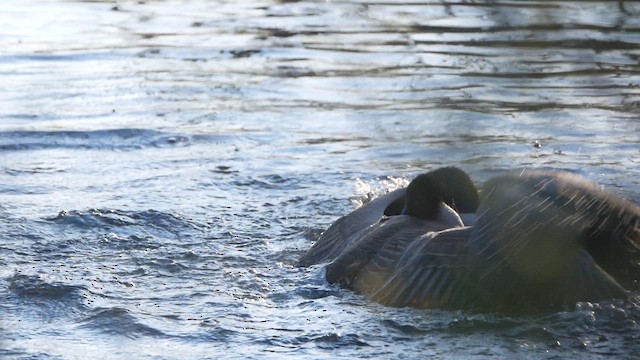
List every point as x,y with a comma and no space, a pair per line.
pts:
164,163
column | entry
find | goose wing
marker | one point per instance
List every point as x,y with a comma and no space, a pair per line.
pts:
432,272
546,238
372,254
351,227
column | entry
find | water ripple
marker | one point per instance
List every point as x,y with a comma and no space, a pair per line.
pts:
118,321
113,218
37,287
114,139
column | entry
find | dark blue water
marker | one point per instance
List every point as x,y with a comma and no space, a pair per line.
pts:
163,164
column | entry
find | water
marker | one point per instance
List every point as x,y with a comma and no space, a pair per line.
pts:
163,164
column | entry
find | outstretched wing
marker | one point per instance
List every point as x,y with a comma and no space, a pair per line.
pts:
547,238
432,272
610,225
351,227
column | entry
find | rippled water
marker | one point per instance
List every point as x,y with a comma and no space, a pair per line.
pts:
163,164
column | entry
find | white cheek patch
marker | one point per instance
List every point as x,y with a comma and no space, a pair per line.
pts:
448,216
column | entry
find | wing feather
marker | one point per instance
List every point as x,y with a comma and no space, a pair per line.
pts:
432,272
547,239
351,227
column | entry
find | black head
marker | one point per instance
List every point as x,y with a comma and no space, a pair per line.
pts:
457,189
423,197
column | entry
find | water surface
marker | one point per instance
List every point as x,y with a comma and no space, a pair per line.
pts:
163,164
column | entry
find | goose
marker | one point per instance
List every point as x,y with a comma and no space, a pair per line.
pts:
542,240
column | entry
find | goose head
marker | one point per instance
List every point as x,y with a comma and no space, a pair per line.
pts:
424,199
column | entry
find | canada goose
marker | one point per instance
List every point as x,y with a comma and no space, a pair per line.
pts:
542,240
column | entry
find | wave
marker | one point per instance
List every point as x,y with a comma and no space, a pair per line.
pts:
37,287
109,218
118,321
126,139
46,293
332,340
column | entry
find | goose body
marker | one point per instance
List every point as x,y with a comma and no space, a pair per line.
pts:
541,240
